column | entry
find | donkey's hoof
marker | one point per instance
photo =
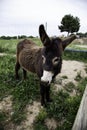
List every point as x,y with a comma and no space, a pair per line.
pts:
43,104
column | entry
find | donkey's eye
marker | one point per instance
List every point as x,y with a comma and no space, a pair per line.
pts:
55,60
43,59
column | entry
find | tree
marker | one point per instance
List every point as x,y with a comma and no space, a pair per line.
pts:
69,24
22,37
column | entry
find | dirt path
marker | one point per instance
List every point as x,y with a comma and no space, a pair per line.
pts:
5,54
82,46
70,70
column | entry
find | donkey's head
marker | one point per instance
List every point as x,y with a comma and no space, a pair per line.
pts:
52,54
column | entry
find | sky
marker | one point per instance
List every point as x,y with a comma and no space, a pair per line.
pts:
23,17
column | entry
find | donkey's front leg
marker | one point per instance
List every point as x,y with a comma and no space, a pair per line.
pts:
43,94
48,99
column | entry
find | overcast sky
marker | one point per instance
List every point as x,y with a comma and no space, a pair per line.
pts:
23,17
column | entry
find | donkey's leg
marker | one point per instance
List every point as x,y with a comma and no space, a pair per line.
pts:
42,92
48,99
17,67
24,74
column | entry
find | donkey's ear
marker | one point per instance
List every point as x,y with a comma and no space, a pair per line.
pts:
68,40
43,36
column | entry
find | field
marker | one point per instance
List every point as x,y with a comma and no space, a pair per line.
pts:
20,107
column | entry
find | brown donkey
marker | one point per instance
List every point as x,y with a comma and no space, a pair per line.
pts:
46,62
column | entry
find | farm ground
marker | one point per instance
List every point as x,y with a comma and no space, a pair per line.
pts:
20,107
70,74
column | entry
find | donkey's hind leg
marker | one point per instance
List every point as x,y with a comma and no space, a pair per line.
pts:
24,74
17,67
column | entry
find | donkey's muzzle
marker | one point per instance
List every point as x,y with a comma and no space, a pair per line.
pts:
47,77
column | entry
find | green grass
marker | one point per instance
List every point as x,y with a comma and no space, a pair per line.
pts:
74,46
3,117
23,92
63,108
78,56
9,46
78,77
69,87
39,123
40,126
86,68
64,77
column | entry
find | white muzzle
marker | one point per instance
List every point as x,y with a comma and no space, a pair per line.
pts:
47,76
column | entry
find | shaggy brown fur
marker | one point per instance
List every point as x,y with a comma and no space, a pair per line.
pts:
30,58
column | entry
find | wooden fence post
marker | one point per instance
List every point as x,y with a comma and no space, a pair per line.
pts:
81,118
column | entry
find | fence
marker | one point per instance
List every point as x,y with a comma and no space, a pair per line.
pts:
81,118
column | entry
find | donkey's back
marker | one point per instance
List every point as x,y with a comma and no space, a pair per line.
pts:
27,44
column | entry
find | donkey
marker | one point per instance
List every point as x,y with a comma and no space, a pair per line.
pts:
45,61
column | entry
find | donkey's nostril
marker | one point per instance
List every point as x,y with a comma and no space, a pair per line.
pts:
48,82
45,82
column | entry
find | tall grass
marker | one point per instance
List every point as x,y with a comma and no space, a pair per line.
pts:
9,46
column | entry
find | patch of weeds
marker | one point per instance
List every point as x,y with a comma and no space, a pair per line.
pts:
59,81
24,93
56,109
39,121
69,87
75,70
64,77
72,106
3,50
86,68
78,77
40,126
18,116
6,75
41,116
78,56
8,46
81,86
3,118
64,109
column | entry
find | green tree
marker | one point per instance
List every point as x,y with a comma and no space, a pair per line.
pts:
69,24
